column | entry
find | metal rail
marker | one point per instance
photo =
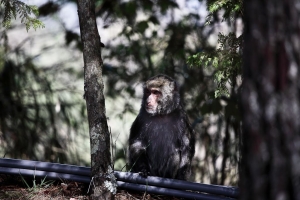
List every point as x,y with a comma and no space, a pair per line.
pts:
126,180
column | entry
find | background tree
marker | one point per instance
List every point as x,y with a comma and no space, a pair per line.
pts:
270,101
40,105
93,93
223,63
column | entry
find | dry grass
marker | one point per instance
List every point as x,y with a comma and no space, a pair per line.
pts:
21,188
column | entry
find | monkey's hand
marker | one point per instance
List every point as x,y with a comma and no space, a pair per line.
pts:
144,173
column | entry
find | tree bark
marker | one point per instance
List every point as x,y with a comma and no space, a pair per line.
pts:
270,100
93,93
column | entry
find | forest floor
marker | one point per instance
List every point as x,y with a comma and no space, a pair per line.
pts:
16,187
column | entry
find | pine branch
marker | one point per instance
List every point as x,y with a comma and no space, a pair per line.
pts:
14,7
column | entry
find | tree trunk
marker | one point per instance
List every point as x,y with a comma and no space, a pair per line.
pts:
270,100
93,93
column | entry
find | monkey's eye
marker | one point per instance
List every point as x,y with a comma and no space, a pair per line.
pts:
156,92
147,92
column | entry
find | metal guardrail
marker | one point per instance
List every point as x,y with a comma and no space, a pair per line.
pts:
126,180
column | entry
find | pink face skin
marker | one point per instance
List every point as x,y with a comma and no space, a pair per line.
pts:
151,100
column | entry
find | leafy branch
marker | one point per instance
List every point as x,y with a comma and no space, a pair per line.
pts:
231,8
226,61
14,7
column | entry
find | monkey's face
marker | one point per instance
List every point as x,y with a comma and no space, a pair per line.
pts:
161,96
152,96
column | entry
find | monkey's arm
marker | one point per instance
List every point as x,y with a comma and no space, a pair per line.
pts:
138,161
187,153
138,158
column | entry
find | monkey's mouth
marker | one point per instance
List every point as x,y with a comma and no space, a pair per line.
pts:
150,109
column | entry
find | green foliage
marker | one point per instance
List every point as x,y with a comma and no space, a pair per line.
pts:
226,61
232,8
14,7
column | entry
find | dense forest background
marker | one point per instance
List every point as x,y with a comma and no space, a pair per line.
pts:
42,110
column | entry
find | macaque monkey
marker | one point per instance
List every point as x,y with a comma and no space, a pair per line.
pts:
161,141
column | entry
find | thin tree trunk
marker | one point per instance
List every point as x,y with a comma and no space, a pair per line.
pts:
270,100
93,93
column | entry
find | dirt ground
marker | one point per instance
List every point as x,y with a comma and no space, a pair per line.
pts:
13,187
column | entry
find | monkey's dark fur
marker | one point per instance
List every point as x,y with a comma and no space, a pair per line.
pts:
162,143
